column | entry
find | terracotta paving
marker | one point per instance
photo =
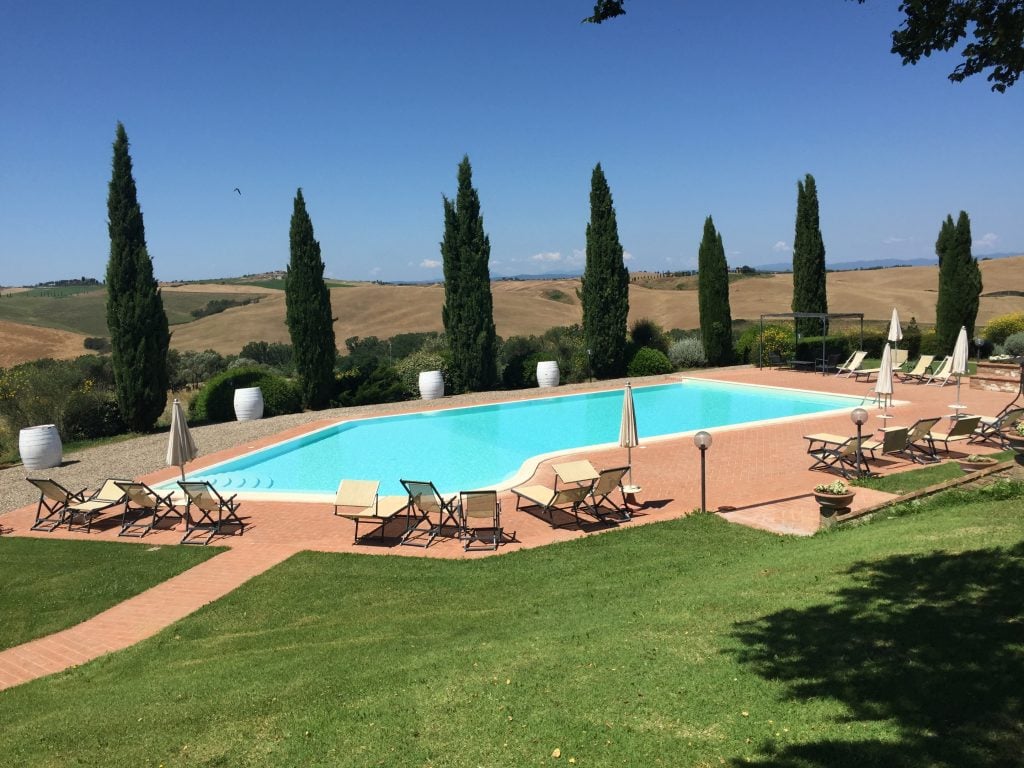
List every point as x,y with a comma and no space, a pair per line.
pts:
756,476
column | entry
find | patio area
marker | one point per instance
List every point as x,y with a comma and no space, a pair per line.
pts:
756,476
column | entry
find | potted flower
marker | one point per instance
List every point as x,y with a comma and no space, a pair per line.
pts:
833,496
1015,437
975,462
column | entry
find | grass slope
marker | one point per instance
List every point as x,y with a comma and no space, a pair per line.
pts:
52,585
693,643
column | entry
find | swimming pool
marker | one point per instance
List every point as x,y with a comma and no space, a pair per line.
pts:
487,445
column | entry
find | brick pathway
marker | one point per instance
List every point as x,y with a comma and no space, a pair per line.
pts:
756,476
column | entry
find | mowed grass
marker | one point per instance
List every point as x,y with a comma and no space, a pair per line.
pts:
85,312
50,585
689,643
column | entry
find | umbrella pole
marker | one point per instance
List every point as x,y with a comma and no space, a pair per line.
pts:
629,461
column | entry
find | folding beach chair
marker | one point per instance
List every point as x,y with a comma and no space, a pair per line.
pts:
608,482
549,500
425,502
920,372
481,519
918,447
53,503
143,508
836,452
852,363
895,440
941,376
103,498
357,500
961,431
207,511
993,427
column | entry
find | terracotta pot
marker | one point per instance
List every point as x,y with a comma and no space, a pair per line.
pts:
974,466
834,501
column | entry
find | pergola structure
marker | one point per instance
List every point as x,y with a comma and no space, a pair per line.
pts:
823,316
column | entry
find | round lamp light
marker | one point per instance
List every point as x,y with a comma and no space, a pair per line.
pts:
859,416
703,439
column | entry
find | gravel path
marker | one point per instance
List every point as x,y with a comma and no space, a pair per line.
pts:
141,455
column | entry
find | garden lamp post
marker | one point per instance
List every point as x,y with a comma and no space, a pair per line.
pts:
703,441
978,343
859,417
590,367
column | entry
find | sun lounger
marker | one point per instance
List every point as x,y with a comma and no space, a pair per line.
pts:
53,503
836,452
481,519
961,431
207,512
867,373
993,427
852,364
918,447
425,502
143,508
895,440
920,371
608,482
357,500
942,373
899,358
103,498
549,500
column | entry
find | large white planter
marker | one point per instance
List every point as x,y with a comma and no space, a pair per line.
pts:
547,373
40,447
248,403
431,385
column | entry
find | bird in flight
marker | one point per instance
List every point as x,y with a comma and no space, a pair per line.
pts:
238,190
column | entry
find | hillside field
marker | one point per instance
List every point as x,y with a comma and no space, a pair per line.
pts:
520,307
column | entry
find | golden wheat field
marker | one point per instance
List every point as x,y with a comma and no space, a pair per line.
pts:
533,306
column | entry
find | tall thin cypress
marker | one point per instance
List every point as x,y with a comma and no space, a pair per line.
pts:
605,290
139,336
468,311
713,297
808,259
308,311
959,282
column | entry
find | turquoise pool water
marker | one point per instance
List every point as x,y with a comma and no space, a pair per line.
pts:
484,446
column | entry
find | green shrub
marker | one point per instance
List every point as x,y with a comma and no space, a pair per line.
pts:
409,368
930,344
215,401
777,338
809,347
647,333
1014,344
912,339
88,415
649,362
687,353
514,359
380,385
1000,328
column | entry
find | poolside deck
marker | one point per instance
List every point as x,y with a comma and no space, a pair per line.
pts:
756,476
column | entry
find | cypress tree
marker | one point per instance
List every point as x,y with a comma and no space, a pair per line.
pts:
139,336
713,297
308,311
959,281
605,290
808,259
468,311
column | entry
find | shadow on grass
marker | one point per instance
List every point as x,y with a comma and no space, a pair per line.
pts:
933,644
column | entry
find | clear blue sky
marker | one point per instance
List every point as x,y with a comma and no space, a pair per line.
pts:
692,108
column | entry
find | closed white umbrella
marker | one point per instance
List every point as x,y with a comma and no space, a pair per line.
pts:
883,388
895,331
181,448
628,437
959,362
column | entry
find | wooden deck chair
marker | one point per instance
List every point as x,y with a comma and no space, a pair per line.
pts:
358,500
836,452
941,376
608,482
993,427
143,508
548,500
895,440
481,519
961,431
920,372
918,447
425,502
53,503
852,364
103,498
206,511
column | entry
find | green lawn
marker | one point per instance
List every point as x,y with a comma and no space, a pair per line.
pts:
50,585
689,643
85,311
